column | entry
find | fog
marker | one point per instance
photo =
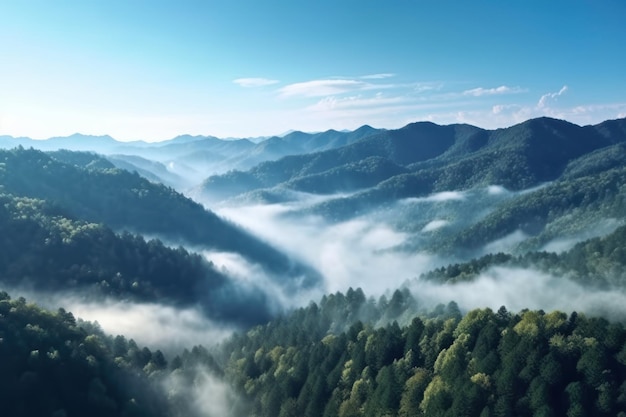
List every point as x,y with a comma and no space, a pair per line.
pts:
506,244
369,252
439,197
203,394
159,326
156,325
355,253
519,289
598,228
249,278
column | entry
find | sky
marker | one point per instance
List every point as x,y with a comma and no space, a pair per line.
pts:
156,69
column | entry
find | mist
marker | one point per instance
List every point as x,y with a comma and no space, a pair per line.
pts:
203,394
518,289
371,252
356,253
161,326
599,228
249,278
156,325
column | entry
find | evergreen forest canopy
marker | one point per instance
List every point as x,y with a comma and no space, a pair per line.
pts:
426,232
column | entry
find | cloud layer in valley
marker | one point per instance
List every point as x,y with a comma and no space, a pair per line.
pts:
356,253
517,289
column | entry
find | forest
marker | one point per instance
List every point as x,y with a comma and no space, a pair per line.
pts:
347,356
364,273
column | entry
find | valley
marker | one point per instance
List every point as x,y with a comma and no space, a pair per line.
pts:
367,272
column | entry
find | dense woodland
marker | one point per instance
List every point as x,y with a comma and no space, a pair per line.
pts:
53,365
86,188
483,363
347,356
74,224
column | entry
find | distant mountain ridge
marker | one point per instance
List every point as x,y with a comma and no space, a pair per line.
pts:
203,155
437,157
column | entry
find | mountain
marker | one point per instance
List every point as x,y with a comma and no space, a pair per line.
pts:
394,145
526,223
126,201
439,158
293,143
151,170
44,250
194,157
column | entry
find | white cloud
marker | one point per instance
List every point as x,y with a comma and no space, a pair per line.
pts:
503,89
422,87
320,88
437,197
496,190
446,196
377,76
254,82
333,103
434,225
501,108
546,98
356,253
517,289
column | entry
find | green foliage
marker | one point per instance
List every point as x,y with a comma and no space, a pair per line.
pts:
42,248
126,201
423,158
52,365
598,262
486,364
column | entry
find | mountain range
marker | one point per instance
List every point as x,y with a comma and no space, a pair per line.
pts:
493,260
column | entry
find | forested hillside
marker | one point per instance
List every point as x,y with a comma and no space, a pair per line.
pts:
126,201
483,363
439,158
347,356
433,226
43,250
53,365
595,263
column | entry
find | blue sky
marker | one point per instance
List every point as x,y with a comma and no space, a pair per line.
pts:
155,69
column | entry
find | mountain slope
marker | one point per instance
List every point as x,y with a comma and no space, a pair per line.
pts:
43,250
53,365
197,156
517,158
446,157
597,263
412,143
126,201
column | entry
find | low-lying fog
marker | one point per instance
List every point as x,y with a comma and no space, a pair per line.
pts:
368,251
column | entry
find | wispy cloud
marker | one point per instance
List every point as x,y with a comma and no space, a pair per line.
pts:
546,98
254,82
320,88
426,86
503,89
377,76
358,101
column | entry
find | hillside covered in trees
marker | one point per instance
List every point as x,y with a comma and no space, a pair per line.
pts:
340,283
88,189
347,356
